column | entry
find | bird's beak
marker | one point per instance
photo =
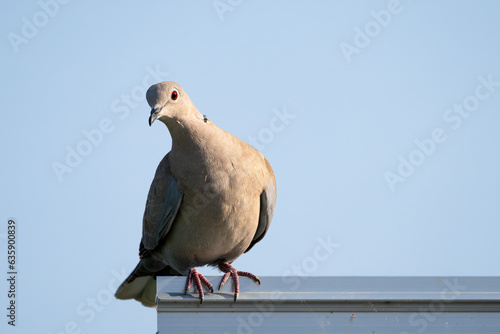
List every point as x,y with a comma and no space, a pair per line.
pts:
154,115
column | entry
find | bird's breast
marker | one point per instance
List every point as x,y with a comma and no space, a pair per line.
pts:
217,220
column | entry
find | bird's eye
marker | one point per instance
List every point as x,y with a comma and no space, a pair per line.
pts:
174,95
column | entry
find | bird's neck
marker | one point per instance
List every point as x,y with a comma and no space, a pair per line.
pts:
189,136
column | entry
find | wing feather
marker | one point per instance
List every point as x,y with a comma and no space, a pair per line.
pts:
267,204
164,200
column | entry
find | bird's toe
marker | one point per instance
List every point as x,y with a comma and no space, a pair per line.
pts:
199,281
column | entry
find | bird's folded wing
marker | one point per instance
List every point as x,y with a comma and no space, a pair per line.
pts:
164,200
267,203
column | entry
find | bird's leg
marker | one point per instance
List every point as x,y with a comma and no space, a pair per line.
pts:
229,270
198,279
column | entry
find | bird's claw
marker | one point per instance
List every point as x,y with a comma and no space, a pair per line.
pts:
231,271
199,280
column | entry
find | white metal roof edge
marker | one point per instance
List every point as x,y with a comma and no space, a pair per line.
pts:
329,294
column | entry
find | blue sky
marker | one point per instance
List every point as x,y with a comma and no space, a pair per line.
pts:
380,119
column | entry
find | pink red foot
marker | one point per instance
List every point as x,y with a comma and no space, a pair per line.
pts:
229,270
198,279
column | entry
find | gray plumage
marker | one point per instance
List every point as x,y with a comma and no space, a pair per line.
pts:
212,199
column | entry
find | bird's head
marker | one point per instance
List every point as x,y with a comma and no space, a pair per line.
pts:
169,101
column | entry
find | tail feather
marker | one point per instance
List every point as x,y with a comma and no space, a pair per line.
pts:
142,289
141,283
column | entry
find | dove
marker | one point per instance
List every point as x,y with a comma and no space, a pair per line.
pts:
212,199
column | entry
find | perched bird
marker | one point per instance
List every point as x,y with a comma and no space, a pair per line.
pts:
211,200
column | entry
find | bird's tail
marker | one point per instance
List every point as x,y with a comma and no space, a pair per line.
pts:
141,283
